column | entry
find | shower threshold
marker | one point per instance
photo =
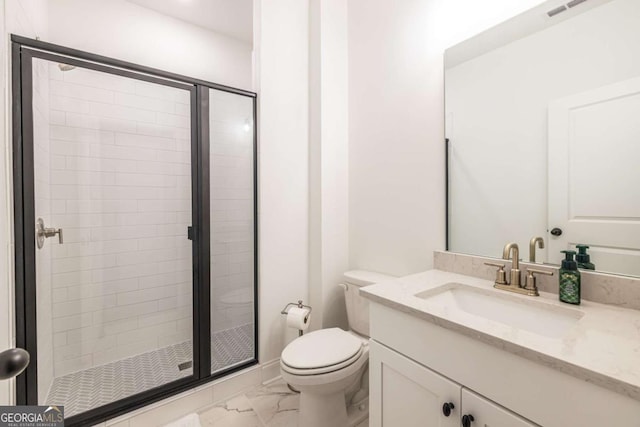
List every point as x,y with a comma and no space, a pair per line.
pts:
88,389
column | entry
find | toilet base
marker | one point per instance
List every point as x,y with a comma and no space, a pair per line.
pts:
327,399
325,404
357,413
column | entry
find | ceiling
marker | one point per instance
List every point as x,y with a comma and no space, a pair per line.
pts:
233,18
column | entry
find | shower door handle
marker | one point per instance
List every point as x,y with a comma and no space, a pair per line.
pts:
43,232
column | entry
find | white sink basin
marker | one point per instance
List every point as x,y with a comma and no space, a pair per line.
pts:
524,313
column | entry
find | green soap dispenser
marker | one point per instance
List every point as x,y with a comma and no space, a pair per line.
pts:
584,259
569,279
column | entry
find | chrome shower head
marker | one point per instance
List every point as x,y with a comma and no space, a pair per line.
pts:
65,67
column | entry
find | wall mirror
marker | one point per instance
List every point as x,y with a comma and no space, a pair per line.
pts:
543,129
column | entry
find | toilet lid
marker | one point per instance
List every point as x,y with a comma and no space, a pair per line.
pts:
320,349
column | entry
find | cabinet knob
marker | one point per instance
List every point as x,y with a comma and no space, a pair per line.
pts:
447,407
467,420
556,232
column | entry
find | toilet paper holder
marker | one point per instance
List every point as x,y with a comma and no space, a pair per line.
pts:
299,304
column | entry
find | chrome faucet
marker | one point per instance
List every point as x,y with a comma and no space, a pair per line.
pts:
512,249
532,247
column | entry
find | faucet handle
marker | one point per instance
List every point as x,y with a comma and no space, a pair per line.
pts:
533,271
501,275
530,284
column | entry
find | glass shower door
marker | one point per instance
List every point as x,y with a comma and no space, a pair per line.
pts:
112,205
232,188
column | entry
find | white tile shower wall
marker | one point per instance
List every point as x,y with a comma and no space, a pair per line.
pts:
231,138
121,191
42,176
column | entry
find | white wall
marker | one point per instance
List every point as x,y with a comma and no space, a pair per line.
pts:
133,33
328,161
396,124
282,34
396,187
491,141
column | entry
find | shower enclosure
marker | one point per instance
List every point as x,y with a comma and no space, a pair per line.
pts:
135,229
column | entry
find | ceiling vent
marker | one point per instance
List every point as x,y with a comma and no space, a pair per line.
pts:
564,7
575,3
556,11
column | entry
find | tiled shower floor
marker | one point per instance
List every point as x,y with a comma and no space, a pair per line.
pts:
97,386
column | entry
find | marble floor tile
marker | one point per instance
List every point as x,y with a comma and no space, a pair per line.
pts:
275,404
236,412
270,405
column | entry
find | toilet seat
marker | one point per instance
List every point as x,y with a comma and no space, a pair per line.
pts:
323,369
321,352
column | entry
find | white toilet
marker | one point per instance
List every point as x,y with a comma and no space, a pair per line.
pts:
330,366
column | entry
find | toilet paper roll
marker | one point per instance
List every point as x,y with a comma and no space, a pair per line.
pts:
298,318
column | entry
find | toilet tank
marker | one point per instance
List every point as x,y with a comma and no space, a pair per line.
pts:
357,306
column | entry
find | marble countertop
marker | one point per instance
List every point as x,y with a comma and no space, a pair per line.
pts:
601,347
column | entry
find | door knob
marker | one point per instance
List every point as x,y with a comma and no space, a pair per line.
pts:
43,232
556,231
13,362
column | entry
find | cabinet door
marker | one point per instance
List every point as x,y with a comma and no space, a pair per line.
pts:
404,393
487,414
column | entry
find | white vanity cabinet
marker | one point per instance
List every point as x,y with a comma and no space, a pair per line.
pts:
488,414
405,393
416,366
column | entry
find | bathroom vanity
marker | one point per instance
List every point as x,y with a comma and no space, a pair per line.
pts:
449,350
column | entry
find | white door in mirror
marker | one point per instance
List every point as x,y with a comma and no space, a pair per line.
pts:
594,147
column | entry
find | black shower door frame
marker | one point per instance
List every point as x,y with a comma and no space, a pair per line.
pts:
22,54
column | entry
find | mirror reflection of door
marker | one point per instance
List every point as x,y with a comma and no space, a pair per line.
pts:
518,170
593,181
